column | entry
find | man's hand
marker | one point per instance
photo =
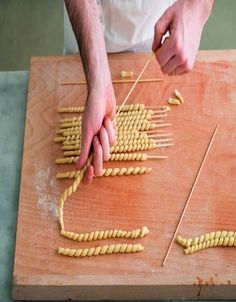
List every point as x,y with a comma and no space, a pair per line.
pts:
98,130
98,119
184,20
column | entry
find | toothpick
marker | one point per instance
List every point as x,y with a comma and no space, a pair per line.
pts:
82,82
135,83
191,192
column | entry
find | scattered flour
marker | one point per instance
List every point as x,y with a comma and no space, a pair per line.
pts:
46,191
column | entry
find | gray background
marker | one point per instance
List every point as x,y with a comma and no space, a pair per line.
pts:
31,27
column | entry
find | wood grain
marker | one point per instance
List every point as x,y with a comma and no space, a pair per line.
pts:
155,200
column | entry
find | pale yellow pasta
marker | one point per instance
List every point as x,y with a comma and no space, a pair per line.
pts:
119,149
71,190
71,129
173,101
109,172
205,237
128,157
80,109
221,241
66,160
101,250
71,119
113,157
106,234
179,96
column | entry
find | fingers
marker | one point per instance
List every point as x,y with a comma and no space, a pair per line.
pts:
171,66
88,177
180,70
97,156
161,27
104,139
110,128
87,137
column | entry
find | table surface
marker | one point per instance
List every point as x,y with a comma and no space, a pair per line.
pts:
13,88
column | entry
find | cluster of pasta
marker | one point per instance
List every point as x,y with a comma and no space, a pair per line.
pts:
213,239
134,122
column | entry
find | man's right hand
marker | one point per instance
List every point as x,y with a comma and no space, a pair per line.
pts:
98,130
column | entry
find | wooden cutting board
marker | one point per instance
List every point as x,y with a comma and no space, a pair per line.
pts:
155,200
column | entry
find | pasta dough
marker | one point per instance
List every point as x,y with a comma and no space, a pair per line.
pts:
208,236
107,234
78,109
109,172
70,190
101,250
213,239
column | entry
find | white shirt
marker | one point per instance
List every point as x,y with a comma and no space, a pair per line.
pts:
128,24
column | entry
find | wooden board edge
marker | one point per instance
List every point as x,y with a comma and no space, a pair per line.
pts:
46,290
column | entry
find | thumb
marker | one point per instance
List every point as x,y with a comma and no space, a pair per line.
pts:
160,29
87,137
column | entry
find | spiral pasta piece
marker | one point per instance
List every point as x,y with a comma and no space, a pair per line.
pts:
120,136
109,172
107,234
59,139
70,109
71,190
71,119
138,114
72,147
101,250
72,142
71,129
80,109
221,241
133,141
128,157
76,123
140,126
128,114
132,124
66,160
208,236
119,149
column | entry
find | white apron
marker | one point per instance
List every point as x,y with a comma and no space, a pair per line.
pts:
128,24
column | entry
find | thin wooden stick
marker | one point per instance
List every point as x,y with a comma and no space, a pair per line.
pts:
135,83
191,192
157,157
159,135
63,83
163,125
164,145
161,140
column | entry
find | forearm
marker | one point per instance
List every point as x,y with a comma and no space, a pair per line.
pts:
85,20
203,6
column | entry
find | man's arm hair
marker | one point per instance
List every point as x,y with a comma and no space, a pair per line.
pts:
85,17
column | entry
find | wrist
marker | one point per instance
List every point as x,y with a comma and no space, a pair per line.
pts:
205,8
99,80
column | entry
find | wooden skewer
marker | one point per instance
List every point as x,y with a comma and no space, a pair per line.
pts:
135,83
157,156
161,140
159,135
191,192
164,145
163,125
63,83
